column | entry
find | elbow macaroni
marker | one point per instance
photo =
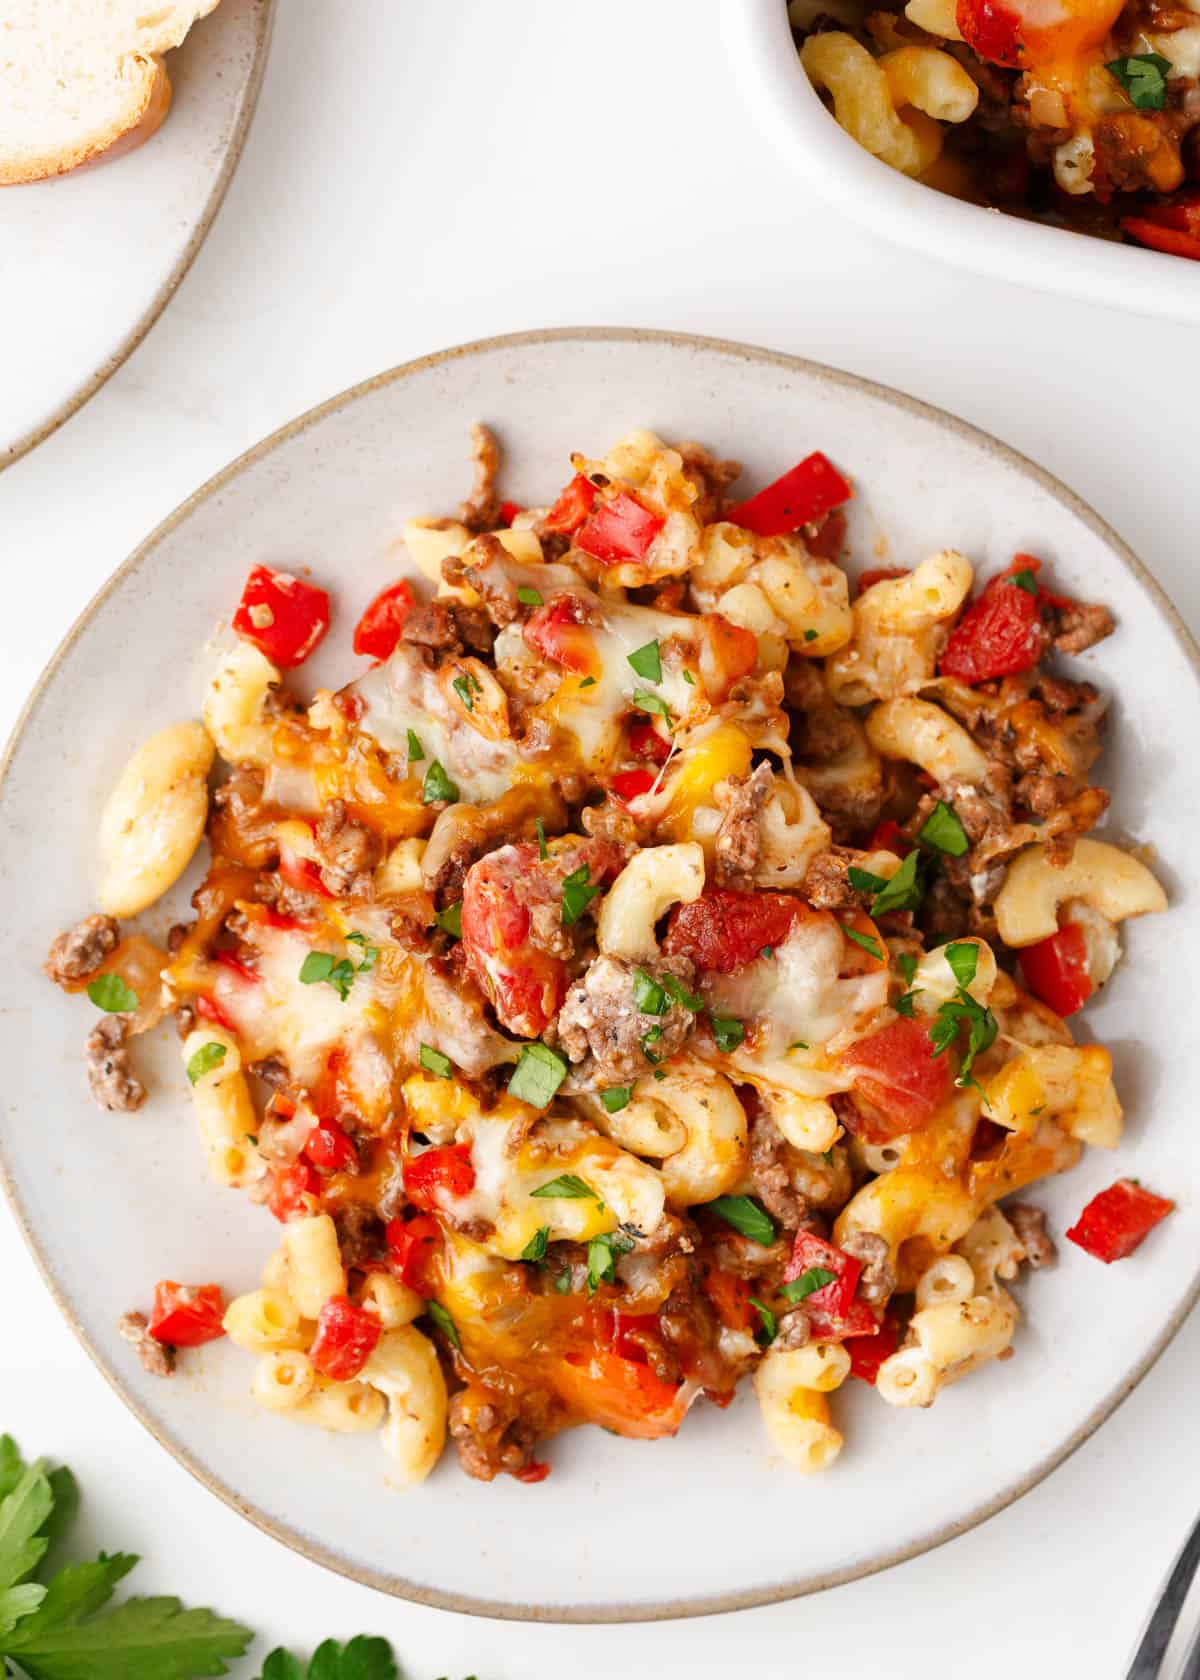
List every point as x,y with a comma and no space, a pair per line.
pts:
154,819
404,1368
928,737
221,1099
1109,880
791,1386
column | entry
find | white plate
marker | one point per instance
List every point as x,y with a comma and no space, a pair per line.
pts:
92,258
779,93
621,1530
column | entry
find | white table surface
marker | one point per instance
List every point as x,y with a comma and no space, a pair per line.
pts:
444,171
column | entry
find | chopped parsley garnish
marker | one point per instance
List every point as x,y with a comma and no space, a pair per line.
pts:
902,892
433,1061
646,702
576,895
904,1004
943,831
538,1075
648,995
647,662
437,785
450,919
677,991
765,1334
747,1216
1144,78
616,1097
539,828
322,966
1025,580
963,1010
728,1032
110,993
964,962
567,1187
602,1255
810,635
415,749
869,945
370,953
562,1282
688,677
816,1277
529,597
588,682
652,1037
208,1057
798,1044
907,964
767,951
535,1248
467,687
443,1322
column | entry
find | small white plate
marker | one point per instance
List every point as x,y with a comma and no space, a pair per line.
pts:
92,258
765,61
621,1530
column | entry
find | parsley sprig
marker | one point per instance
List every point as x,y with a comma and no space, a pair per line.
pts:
903,891
963,1010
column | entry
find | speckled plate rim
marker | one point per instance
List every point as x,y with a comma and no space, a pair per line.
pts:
675,1608
264,17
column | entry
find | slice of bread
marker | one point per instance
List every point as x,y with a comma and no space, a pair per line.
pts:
79,78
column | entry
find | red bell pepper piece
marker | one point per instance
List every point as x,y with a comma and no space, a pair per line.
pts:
1056,969
812,487
631,784
412,1246
1000,633
282,615
294,1191
186,1316
867,1353
898,1074
329,1148
1160,236
572,507
833,1299
346,1338
378,630
825,1326
509,511
446,1170
722,930
621,529
629,1333
1118,1220
646,742
825,543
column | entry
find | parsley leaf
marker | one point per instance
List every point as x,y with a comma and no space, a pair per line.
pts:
535,1248
443,1322
680,994
208,1057
1144,78
588,682
370,953
110,993
767,1327
538,1075
1024,580
863,881
433,1061
904,891
943,831
981,1030
416,751
964,961
647,662
689,677
602,1254
321,966
562,1283
648,995
727,1031
616,1097
747,1216
652,703
539,828
363,1658
437,785
811,635
450,919
907,964
467,687
576,895
567,1187
816,1277
869,945
905,1003
529,597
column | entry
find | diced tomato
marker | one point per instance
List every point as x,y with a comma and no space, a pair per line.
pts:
1181,211
572,507
999,634
1056,969
730,1295
535,1471
867,1353
294,1191
646,742
897,1073
329,1149
879,574
825,543
283,616
631,784
212,1011
886,838
629,1334
824,1326
730,653
185,1315
302,873
992,29
346,1338
812,487
621,529
1161,237
509,511
437,1172
1118,1220
833,1298
723,930
412,1247
378,630
559,631
619,1394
